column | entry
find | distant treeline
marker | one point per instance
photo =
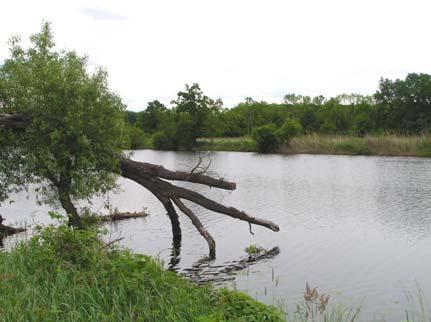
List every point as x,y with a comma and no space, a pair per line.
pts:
398,106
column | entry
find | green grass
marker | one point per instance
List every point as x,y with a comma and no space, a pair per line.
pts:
62,274
389,145
240,144
67,275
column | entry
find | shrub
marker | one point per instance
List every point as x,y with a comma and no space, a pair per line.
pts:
162,141
288,130
328,128
266,138
138,138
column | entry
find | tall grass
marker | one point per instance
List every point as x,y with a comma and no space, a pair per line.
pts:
67,275
390,145
240,144
386,144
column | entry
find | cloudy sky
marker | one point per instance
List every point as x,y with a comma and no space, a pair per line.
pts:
235,48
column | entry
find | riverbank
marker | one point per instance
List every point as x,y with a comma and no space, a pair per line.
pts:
67,275
384,145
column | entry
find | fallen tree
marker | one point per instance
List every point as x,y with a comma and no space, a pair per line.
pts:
8,230
155,179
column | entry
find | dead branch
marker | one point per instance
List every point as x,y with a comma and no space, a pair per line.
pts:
197,223
123,216
203,271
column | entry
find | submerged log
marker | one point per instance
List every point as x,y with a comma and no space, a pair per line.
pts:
154,178
124,216
203,271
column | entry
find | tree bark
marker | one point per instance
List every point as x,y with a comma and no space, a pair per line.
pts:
7,230
123,216
67,204
197,223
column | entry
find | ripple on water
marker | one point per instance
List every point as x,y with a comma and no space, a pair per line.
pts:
357,227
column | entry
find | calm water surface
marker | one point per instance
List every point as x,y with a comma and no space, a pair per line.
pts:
357,227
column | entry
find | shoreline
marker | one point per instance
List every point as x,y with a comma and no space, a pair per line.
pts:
385,145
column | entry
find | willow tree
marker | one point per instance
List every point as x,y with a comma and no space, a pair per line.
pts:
62,128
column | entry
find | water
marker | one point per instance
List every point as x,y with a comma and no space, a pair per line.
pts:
357,227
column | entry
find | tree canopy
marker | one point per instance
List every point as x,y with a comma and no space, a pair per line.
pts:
71,145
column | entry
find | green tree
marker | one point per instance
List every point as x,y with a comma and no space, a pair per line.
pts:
72,143
192,108
288,130
266,138
150,119
408,102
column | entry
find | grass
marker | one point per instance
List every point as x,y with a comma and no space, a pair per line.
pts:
68,275
62,274
240,144
388,145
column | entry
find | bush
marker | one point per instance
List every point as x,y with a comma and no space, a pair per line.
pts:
162,141
328,128
288,130
137,138
266,138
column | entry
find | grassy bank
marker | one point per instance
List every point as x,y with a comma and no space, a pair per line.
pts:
240,144
390,145
66,275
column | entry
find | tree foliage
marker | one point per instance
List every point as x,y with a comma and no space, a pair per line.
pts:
266,138
76,132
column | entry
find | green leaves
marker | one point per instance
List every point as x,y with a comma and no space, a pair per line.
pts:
77,127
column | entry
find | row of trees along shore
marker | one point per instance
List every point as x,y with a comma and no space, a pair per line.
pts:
401,106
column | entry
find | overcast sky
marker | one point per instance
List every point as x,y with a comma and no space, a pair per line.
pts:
234,48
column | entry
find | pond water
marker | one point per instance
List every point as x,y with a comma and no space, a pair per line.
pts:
358,227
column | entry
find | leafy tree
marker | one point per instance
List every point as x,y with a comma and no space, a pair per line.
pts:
192,108
289,129
309,119
163,141
150,119
71,145
292,99
137,138
361,124
408,102
266,138
319,100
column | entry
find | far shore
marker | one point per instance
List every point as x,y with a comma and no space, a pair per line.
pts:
382,145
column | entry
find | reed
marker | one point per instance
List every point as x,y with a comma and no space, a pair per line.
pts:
384,145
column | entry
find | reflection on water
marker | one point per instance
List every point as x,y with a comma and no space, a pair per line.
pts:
357,227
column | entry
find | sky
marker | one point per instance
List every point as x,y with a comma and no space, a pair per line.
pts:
234,48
